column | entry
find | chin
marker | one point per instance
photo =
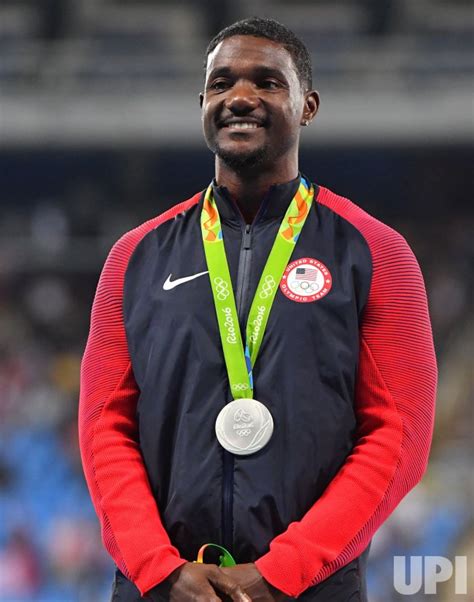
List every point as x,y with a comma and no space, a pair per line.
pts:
243,160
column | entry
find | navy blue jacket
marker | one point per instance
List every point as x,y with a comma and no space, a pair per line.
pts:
348,375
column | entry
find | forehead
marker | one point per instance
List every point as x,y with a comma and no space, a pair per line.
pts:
240,52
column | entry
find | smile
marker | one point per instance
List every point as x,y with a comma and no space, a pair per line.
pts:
243,125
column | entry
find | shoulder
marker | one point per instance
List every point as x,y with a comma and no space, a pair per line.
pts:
112,277
123,249
397,304
383,241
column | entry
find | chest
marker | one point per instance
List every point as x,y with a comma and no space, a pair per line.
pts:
315,316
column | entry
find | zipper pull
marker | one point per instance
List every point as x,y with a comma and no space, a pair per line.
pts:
247,236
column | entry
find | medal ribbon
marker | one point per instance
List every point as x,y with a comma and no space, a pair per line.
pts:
225,559
239,359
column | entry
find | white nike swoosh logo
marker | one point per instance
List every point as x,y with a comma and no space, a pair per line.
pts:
168,285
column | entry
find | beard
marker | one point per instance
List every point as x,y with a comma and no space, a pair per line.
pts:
244,162
247,161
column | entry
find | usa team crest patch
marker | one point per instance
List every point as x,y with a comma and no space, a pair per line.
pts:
306,280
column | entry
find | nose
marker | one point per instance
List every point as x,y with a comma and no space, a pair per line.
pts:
242,98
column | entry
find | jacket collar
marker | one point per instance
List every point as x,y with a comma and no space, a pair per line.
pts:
274,204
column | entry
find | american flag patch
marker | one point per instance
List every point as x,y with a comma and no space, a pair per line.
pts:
306,274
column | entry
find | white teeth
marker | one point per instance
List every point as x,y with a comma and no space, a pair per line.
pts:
243,126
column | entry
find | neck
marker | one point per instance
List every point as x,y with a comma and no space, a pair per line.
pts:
249,188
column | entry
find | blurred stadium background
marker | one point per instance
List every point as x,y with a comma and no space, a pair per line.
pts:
100,129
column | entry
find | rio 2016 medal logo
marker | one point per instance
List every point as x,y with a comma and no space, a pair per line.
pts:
306,280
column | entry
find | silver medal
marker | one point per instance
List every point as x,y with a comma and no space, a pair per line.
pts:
244,426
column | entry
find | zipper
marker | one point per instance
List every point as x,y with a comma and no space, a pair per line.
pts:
243,276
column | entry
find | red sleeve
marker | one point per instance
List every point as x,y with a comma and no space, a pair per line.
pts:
394,403
132,531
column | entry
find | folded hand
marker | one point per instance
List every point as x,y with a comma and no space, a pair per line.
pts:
252,583
193,582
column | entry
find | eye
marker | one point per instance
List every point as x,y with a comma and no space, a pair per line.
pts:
269,84
219,84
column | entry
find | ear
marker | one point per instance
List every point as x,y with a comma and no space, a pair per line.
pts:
201,99
311,106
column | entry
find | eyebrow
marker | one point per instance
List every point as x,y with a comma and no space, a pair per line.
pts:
260,71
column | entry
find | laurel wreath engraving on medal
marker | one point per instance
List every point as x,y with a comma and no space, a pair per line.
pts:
258,437
222,288
268,287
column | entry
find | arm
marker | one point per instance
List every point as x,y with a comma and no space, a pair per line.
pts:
132,530
394,403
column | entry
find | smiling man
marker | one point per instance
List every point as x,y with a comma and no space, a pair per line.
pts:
260,372
253,106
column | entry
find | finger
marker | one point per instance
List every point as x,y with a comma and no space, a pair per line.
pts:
205,596
206,593
228,586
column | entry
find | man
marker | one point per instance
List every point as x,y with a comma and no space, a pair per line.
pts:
262,287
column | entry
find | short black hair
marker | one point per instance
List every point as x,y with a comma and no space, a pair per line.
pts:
276,32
